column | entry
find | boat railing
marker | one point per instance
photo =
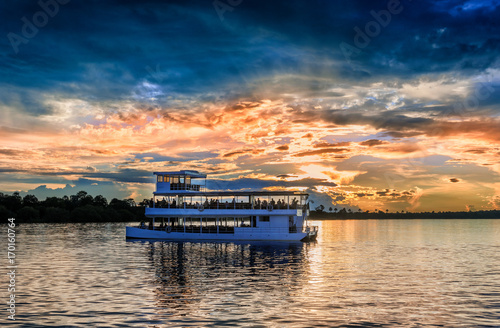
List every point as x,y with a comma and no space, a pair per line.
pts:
228,206
184,186
311,229
260,231
222,229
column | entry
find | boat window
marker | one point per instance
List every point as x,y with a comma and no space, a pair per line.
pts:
166,178
264,218
175,179
181,179
160,178
188,179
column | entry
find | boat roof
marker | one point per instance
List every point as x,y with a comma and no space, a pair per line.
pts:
232,193
192,174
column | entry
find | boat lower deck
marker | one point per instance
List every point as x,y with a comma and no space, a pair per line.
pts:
236,233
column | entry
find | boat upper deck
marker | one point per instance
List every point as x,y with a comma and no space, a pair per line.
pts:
231,200
180,192
236,193
193,183
226,202
187,181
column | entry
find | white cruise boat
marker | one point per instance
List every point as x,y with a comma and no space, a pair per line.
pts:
183,210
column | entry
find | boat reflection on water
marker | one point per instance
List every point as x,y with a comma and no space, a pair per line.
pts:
222,281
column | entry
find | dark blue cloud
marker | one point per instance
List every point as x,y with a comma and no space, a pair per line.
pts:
103,51
91,176
105,188
256,184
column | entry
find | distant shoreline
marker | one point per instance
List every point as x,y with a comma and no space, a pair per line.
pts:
492,214
84,208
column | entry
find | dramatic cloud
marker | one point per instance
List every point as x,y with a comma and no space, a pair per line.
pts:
372,142
370,105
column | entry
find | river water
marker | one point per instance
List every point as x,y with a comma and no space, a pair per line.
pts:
366,273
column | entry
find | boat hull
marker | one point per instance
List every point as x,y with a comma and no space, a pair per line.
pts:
238,235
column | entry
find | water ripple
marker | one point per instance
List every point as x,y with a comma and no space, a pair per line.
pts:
387,273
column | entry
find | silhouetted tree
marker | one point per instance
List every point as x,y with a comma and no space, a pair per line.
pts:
30,200
28,213
119,204
12,202
320,208
81,207
100,201
54,202
56,214
146,202
86,213
6,213
131,202
81,198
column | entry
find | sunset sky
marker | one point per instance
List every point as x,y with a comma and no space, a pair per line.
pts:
364,104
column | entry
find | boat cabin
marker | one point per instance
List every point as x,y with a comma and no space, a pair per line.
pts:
186,181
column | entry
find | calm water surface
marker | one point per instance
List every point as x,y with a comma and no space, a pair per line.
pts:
370,273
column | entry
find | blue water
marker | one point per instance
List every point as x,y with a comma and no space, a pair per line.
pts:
368,273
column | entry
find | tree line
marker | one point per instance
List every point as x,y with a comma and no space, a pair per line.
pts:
320,213
81,207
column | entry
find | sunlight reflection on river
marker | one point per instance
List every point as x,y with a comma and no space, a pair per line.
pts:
359,273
